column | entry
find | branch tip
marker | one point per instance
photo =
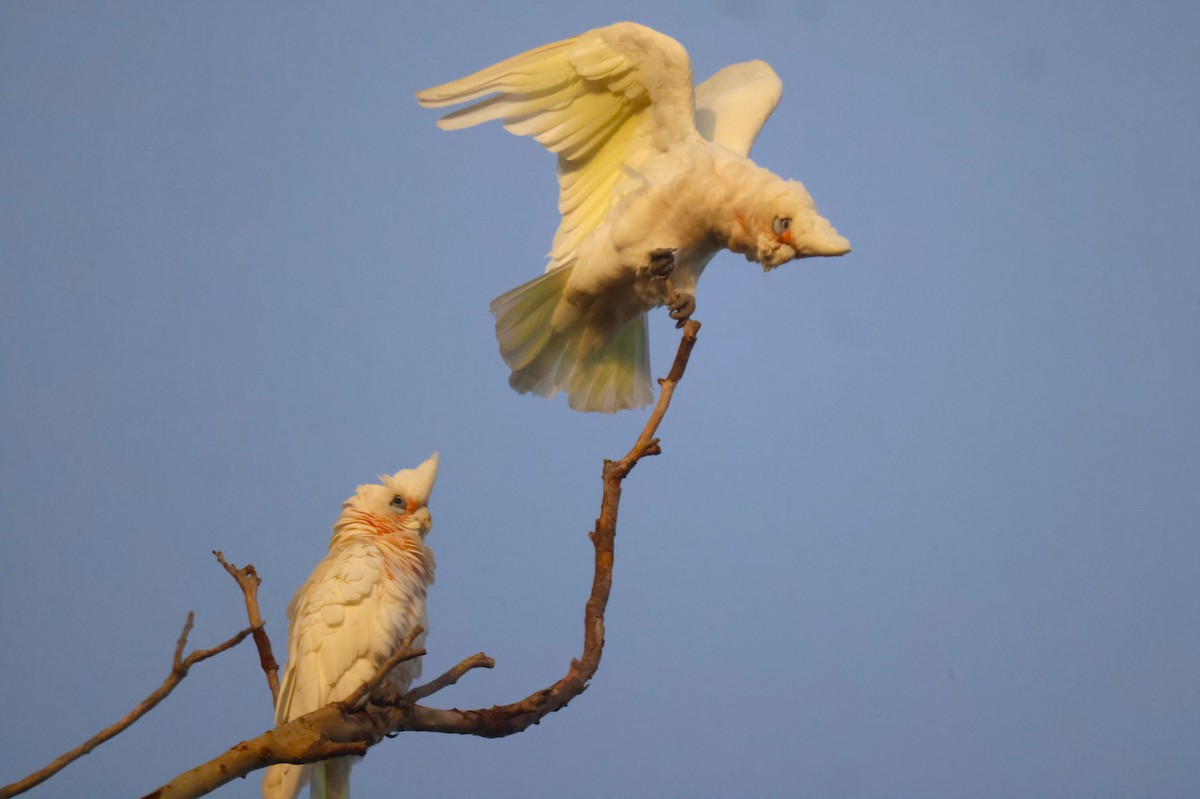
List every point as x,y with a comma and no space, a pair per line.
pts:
248,580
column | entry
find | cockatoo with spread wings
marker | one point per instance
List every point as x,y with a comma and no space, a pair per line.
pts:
654,179
354,612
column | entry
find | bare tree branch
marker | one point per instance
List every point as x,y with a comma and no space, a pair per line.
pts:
476,661
647,444
508,719
179,669
333,731
248,580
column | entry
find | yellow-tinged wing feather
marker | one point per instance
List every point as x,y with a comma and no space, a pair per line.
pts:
603,102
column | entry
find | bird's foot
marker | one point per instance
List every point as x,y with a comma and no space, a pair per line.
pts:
662,262
386,695
680,305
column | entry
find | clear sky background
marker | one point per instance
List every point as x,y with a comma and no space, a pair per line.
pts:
926,521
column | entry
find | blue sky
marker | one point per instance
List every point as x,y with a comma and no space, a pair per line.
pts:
926,520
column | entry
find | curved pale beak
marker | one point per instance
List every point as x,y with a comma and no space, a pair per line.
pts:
822,240
423,519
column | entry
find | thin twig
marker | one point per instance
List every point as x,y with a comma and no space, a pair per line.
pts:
509,719
476,661
179,669
248,580
647,444
204,654
513,718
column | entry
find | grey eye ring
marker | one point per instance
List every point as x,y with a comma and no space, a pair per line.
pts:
781,225
398,503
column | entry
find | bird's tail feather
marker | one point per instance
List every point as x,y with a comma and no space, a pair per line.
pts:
331,778
617,376
600,370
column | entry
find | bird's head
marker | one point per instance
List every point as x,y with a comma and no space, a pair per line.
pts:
396,504
786,226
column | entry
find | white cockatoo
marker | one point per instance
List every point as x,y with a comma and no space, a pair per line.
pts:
354,612
654,179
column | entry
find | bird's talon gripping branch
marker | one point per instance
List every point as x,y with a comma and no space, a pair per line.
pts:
385,696
662,262
680,306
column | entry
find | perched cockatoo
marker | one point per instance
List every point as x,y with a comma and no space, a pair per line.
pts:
654,179
354,612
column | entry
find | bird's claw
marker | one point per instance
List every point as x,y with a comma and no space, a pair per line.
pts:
662,262
386,695
680,305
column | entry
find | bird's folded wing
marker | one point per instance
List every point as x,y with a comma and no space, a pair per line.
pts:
733,105
603,101
332,632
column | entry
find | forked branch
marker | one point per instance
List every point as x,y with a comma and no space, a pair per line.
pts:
248,580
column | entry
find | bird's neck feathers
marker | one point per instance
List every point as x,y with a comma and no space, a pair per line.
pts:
411,556
398,539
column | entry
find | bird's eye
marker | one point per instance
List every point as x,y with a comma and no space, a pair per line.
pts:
781,224
399,504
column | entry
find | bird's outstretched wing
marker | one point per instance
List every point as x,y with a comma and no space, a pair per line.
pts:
603,101
733,105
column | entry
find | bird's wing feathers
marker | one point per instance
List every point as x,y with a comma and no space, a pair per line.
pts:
603,101
322,643
342,627
733,105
